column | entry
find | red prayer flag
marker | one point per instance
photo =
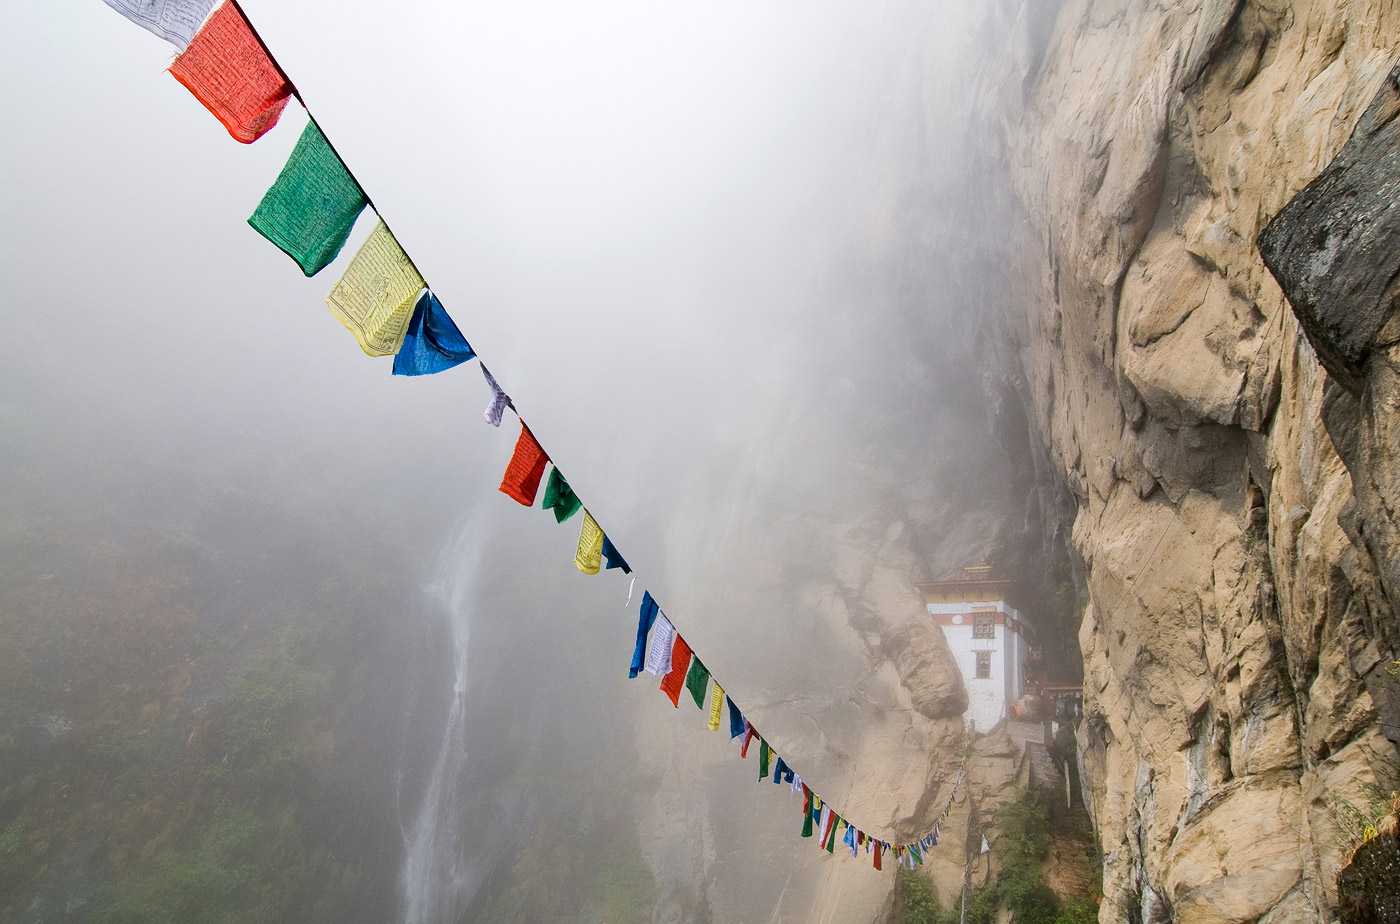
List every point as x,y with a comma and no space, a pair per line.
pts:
749,734
228,70
672,683
876,851
526,468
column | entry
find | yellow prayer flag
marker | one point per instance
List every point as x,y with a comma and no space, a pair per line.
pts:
374,299
716,703
589,557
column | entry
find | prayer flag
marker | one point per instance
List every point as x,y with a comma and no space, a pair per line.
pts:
228,70
716,705
559,497
589,557
662,641
806,812
782,773
499,400
176,21
850,839
614,558
736,720
645,619
749,734
914,852
312,206
526,467
673,681
374,298
764,752
879,849
432,343
829,819
796,783
697,682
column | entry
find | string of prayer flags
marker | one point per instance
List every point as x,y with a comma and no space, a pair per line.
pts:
374,299
613,558
499,400
662,642
432,342
716,706
176,21
229,72
589,557
645,619
697,682
736,720
525,469
680,663
309,211
559,497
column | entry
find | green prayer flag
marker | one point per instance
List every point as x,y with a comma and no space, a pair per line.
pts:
807,819
831,836
697,681
559,497
311,208
763,754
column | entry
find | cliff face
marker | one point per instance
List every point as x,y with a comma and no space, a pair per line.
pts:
1239,619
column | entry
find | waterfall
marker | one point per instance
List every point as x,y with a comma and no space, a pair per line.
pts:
439,877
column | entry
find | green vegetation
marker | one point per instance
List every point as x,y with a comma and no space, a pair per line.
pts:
240,867
916,898
1360,823
1022,848
15,860
167,661
624,889
1020,888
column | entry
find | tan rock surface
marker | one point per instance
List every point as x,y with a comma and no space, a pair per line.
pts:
1234,603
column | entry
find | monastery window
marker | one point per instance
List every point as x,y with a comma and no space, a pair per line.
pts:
984,665
983,625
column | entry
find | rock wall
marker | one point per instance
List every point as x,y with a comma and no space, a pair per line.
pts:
1239,617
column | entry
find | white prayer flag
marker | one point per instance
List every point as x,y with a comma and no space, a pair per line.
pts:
663,636
176,21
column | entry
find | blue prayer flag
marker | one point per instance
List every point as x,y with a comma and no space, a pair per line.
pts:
644,623
782,773
433,343
614,559
736,720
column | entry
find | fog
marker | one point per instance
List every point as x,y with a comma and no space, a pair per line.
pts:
701,247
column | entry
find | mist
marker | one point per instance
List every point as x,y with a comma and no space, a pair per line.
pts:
719,257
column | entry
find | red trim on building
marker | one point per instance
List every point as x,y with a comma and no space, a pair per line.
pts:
1019,626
